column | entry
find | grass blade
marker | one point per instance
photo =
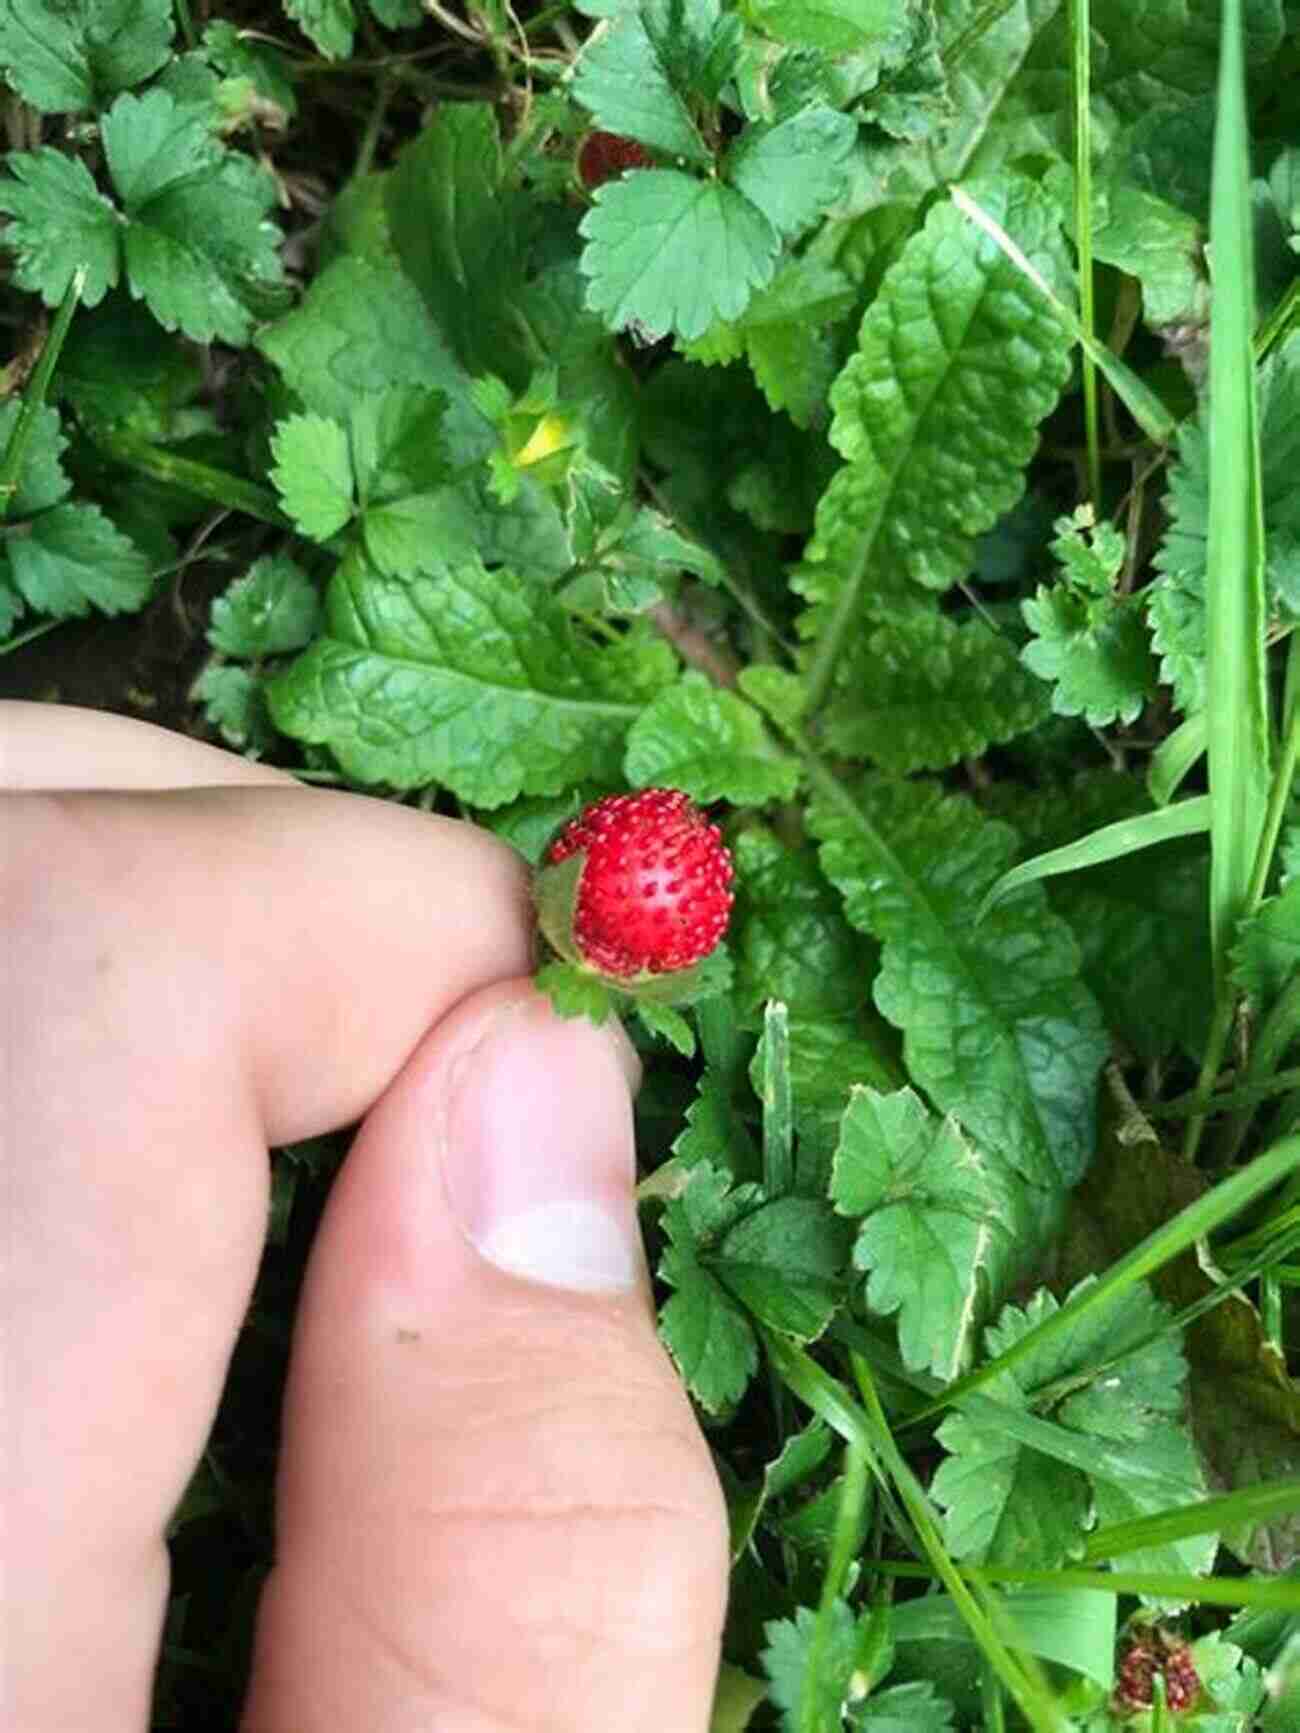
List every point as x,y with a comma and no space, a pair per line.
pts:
1081,79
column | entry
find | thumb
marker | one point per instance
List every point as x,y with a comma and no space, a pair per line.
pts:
495,1509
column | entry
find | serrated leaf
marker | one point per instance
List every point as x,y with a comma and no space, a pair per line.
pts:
801,1669
328,24
795,170
313,474
1097,658
573,992
71,558
458,236
41,482
119,369
926,692
958,360
784,1262
1176,600
240,55
913,1708
61,223
792,941
625,77
1267,953
704,740
943,1229
671,253
663,1020
470,678
271,610
706,1332
234,702
833,26
1115,1439
77,54
998,1027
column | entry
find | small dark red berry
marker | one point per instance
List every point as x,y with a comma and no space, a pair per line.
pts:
655,891
605,155
1151,1652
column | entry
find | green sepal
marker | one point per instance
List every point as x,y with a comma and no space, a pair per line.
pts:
575,992
555,896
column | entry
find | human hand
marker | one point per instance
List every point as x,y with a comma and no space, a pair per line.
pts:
494,1508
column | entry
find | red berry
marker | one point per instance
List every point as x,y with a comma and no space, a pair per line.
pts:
655,891
1151,1652
604,155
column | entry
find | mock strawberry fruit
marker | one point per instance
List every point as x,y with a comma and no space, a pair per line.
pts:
605,155
637,885
1151,1652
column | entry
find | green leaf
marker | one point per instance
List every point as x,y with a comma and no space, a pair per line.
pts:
664,1021
833,26
791,939
912,1708
470,678
242,56
1100,668
706,1332
234,702
71,558
944,1228
328,24
313,474
704,740
801,1665
362,326
629,81
998,1028
958,360
667,252
41,482
784,1261
1017,1491
793,171
60,224
272,609
926,692
1138,231
1176,600
573,992
119,369
61,57
459,238
1267,953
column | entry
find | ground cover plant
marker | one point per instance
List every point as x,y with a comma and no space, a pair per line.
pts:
878,420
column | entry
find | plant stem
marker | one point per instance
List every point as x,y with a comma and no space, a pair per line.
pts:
1081,67
844,1541
11,464
1277,1032
200,479
1183,1106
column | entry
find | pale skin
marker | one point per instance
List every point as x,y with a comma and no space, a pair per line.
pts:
495,1512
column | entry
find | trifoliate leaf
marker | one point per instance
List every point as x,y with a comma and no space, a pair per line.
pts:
791,939
793,171
234,702
959,359
998,1027
272,609
60,224
671,253
784,1261
926,692
328,24
943,1234
704,740
470,678
78,54
1116,1439
313,474
1095,654
629,79
71,558
198,248
1267,955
